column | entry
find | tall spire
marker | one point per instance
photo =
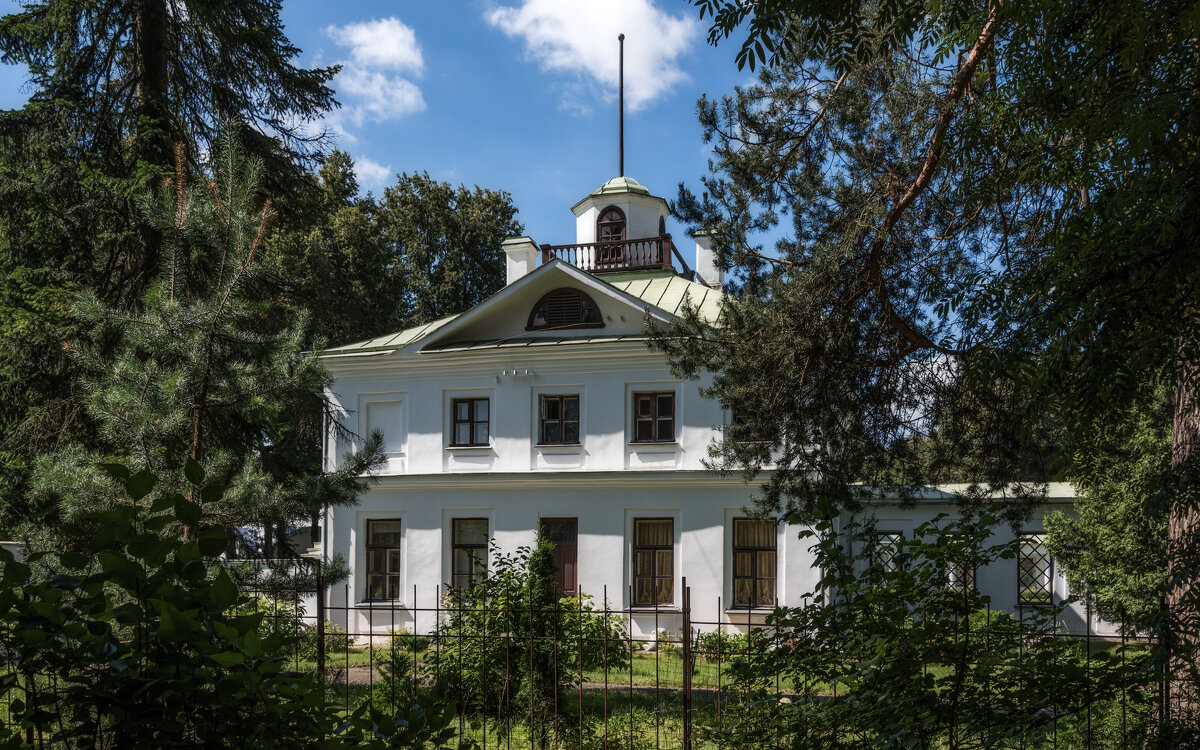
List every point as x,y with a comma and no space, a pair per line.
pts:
621,110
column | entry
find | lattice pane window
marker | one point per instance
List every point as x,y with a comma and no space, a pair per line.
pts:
885,553
1035,571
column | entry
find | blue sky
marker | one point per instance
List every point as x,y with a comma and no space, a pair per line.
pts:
518,95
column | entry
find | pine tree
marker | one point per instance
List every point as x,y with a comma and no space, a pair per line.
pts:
1054,185
202,373
114,85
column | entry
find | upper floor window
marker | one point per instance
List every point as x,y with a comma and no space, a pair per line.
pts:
654,417
558,420
383,559
1035,571
610,227
471,425
564,308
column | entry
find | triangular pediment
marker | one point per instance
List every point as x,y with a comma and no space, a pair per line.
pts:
505,316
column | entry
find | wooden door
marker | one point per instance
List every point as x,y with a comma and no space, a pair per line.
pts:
563,533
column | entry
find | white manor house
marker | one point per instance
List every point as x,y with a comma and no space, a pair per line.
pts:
543,406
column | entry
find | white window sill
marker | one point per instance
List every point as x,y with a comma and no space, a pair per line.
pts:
381,604
469,448
645,445
644,610
559,447
755,612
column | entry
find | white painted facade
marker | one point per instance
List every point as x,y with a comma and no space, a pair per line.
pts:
406,384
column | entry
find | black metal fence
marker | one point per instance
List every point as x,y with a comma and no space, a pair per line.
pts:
589,674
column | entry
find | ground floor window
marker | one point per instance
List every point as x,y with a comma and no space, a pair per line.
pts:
1035,571
653,561
753,562
563,534
383,559
469,550
885,552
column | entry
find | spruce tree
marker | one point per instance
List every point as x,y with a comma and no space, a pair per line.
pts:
203,373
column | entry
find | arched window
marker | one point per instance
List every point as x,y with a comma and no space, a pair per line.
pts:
564,308
610,227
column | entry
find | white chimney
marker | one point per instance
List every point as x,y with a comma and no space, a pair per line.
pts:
706,262
522,255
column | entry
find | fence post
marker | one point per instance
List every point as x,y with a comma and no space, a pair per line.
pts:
687,666
320,623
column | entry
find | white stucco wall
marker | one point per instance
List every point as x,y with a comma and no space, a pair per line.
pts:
604,482
702,508
642,213
413,392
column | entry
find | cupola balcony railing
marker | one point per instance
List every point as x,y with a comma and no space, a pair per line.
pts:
643,254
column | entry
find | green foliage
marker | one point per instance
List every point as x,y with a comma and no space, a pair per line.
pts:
204,371
882,657
107,104
507,645
143,640
723,645
368,266
137,642
1113,549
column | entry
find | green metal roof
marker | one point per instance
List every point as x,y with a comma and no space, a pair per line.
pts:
621,185
668,294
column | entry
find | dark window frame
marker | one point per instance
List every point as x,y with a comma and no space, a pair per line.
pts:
559,574
383,549
479,562
586,304
754,576
1046,566
562,421
603,222
655,574
655,418
470,421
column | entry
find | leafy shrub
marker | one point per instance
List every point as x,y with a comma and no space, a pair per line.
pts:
594,637
726,645
896,653
145,641
404,640
337,641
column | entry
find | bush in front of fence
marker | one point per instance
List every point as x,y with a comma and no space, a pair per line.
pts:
901,650
144,640
508,644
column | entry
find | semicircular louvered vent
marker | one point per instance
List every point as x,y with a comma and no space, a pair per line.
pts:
564,308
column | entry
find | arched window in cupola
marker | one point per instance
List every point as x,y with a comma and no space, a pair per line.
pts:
564,308
610,227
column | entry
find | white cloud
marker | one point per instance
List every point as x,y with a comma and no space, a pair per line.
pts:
369,86
372,174
381,43
580,39
377,96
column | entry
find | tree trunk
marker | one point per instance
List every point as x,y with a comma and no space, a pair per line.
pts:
154,141
1182,628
